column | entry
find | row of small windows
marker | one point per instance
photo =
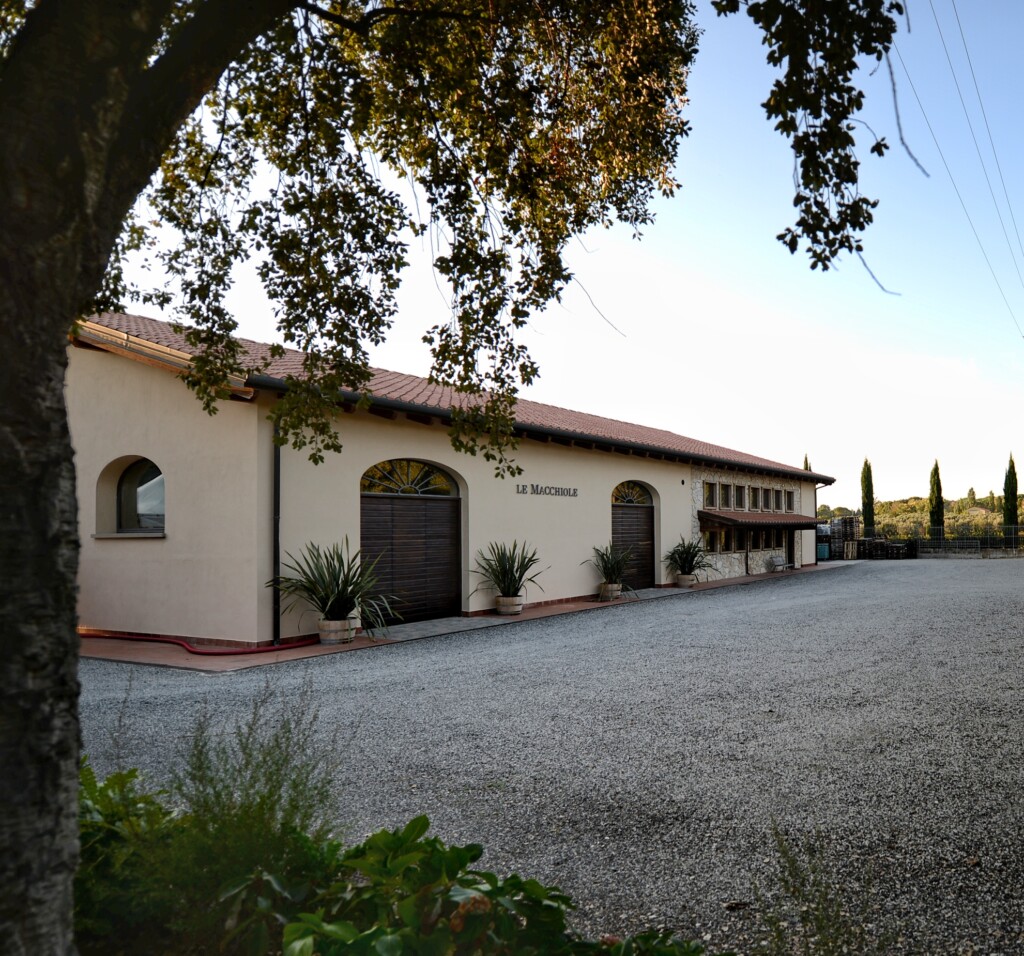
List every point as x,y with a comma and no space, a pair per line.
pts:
726,497
732,539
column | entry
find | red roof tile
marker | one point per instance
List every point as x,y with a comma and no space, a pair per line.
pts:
414,390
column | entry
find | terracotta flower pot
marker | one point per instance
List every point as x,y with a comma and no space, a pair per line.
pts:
336,632
509,605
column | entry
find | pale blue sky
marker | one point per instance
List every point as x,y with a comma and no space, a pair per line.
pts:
728,338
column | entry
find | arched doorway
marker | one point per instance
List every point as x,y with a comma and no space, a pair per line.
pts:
633,528
410,522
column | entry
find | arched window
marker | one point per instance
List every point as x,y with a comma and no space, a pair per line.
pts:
403,476
631,493
140,498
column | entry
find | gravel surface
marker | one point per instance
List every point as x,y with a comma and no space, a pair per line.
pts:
639,756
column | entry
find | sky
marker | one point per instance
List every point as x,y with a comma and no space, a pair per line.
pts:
710,328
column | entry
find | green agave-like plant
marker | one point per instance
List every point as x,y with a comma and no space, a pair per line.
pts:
610,562
507,569
336,584
687,557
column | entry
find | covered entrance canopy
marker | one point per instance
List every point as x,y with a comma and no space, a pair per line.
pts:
717,520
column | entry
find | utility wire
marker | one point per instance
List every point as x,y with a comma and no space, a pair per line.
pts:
988,129
956,189
974,138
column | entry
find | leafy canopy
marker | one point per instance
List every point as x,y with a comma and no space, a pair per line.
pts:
499,129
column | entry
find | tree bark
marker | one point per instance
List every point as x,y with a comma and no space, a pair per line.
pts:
77,145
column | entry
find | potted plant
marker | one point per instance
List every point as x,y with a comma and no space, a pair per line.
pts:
506,570
685,559
338,586
610,562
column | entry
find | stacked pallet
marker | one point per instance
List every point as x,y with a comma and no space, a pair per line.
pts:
845,534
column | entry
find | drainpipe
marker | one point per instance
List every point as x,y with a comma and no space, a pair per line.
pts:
276,531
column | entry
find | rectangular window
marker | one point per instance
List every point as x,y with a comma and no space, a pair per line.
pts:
727,540
755,499
778,500
710,494
740,498
790,501
725,496
711,542
766,499
741,540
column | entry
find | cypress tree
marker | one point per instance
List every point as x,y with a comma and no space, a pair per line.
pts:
1010,504
867,497
936,508
807,464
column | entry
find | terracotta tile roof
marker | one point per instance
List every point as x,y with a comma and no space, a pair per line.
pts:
531,416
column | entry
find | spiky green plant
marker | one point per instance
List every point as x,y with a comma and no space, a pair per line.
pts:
610,562
687,557
336,584
507,569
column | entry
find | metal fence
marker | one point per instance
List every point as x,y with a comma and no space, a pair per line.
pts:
952,539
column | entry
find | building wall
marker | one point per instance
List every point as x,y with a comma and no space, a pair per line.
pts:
321,503
739,563
203,578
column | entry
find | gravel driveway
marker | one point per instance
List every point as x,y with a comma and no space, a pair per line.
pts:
638,756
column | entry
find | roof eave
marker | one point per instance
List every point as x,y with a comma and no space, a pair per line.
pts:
345,396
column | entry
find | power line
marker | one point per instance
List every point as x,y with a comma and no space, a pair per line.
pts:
991,141
963,205
974,138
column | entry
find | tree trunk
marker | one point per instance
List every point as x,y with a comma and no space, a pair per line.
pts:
85,115
38,661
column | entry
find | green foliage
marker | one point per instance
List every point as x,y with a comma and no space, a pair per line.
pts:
687,557
336,584
1010,511
114,898
554,118
814,102
506,570
812,914
247,866
867,493
610,562
416,895
807,464
252,806
936,506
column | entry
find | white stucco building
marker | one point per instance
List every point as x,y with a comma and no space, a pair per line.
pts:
183,516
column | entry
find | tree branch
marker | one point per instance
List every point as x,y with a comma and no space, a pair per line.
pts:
364,24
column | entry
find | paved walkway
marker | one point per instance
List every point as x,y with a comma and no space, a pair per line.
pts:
142,651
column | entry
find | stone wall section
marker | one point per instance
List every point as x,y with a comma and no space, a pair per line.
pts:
734,564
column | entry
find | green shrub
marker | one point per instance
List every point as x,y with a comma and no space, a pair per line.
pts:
246,864
254,800
812,913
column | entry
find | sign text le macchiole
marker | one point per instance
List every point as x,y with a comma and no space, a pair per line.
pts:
555,491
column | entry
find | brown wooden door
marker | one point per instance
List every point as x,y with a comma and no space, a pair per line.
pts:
633,527
417,540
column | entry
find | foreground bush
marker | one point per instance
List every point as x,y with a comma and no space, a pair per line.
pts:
237,857
398,892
